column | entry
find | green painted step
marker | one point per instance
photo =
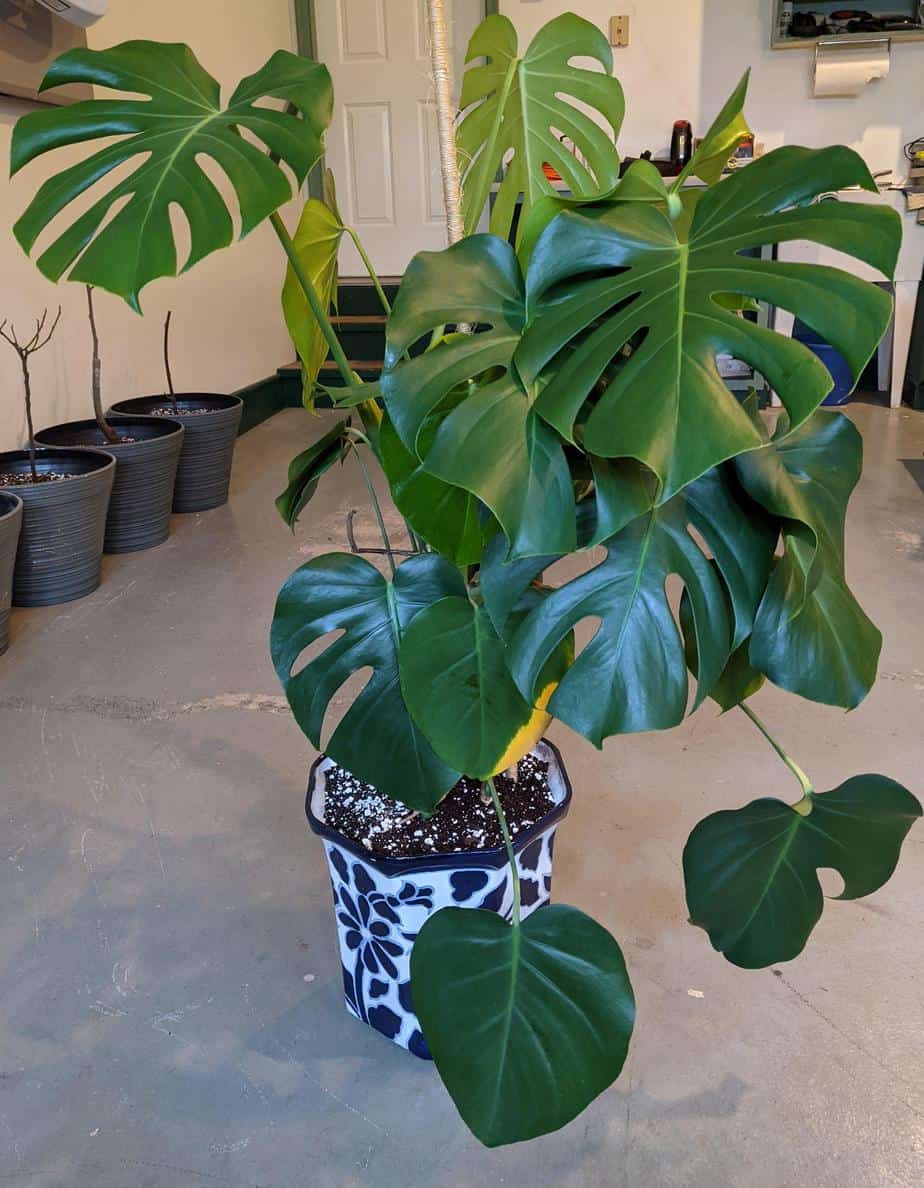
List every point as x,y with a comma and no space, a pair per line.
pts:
360,323
358,297
362,335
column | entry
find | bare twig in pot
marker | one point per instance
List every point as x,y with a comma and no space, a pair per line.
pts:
170,387
107,430
39,339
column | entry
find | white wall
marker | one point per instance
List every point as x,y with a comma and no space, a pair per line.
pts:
781,108
659,69
684,58
227,327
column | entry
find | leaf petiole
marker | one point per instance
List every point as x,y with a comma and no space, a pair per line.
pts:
377,508
508,844
804,806
373,275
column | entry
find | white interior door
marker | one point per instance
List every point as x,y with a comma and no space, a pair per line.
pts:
382,143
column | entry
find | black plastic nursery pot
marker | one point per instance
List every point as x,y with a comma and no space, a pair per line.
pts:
142,494
211,422
63,523
10,524
381,903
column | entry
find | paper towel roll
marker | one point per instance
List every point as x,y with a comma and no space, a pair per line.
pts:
843,70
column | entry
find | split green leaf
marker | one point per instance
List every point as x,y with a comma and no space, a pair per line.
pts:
751,873
172,116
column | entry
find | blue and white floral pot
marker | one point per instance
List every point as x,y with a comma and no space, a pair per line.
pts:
381,903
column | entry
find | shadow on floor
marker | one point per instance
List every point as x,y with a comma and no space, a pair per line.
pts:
915,467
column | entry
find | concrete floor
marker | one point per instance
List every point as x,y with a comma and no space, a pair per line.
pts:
170,1005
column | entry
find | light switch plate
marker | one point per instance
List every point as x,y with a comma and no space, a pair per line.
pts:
619,30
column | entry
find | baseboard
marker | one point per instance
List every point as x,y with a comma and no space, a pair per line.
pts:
267,397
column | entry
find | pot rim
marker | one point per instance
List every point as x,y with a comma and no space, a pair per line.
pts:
8,493
95,460
487,858
170,426
233,401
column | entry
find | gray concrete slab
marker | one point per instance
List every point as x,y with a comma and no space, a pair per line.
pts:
170,1008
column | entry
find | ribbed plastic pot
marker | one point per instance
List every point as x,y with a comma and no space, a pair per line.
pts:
10,523
60,551
380,904
142,494
211,422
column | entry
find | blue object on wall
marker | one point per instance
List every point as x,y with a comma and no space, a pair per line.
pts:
835,362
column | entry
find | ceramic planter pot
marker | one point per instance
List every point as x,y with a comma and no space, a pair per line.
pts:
142,494
61,542
211,422
380,904
10,523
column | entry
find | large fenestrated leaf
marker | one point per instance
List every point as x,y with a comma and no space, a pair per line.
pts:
515,111
621,493
739,679
527,1023
461,409
177,119
632,675
376,738
317,242
811,636
626,276
751,873
641,182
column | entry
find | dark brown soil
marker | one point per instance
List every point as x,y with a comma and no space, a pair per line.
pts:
462,821
25,479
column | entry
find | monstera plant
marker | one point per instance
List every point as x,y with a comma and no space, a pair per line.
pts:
547,393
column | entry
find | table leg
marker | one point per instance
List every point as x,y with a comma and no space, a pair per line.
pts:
906,296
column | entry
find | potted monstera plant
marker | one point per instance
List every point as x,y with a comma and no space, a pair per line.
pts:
566,404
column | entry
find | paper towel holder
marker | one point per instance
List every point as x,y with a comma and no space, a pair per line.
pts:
861,45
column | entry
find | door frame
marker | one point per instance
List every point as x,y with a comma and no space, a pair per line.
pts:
307,43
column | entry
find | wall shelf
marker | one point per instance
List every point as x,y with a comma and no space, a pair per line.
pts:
790,43
913,9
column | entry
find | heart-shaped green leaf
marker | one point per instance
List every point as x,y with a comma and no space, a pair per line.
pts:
376,739
457,685
518,111
317,242
307,469
751,873
623,278
633,674
811,636
461,408
527,1023
177,119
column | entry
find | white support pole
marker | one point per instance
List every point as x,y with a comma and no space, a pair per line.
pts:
445,116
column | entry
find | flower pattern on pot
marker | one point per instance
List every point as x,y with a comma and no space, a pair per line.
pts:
380,914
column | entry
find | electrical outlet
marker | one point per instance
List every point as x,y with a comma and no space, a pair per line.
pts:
619,30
